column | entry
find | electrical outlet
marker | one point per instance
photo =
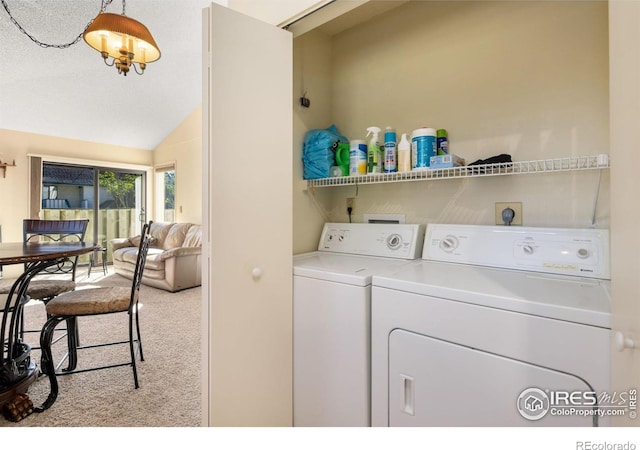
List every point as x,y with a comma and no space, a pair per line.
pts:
517,208
351,203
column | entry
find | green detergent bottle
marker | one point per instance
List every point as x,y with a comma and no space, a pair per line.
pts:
374,152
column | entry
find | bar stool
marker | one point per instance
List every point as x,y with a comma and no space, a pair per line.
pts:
92,261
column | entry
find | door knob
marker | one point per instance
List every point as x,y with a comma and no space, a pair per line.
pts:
256,273
622,342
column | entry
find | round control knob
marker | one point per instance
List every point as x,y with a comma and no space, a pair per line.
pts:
583,253
394,241
528,249
449,244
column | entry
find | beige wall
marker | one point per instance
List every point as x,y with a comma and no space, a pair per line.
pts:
312,72
14,188
525,78
184,147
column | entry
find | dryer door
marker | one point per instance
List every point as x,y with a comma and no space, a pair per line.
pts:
438,383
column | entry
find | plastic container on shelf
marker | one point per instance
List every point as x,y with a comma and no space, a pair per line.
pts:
404,154
442,142
357,157
374,153
343,158
423,147
390,151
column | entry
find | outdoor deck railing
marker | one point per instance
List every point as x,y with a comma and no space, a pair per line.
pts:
113,223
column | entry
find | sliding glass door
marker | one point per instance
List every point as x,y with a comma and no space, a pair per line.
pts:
112,199
120,205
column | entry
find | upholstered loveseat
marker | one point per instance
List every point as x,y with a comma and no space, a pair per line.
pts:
173,261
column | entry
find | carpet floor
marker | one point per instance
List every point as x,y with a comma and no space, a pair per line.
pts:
169,377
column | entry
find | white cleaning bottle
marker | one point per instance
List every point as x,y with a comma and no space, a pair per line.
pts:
404,154
374,153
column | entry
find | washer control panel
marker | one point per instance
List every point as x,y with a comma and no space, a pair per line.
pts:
567,251
403,241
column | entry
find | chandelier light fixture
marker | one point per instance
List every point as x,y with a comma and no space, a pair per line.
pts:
122,41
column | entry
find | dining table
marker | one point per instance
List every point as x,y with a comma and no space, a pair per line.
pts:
17,369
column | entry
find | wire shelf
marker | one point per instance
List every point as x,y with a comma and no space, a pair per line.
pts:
573,163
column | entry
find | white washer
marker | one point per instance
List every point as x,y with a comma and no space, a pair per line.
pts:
331,318
492,327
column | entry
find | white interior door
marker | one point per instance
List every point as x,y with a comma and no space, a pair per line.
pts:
247,214
624,81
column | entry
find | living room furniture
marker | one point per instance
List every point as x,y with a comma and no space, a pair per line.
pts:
93,261
92,302
174,260
17,370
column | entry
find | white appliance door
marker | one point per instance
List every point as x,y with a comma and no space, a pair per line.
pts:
437,383
331,347
247,211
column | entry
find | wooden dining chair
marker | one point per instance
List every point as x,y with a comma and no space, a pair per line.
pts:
93,302
61,278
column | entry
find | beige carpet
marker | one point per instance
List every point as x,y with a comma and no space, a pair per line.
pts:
169,393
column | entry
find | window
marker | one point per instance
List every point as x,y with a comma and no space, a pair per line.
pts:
165,187
50,193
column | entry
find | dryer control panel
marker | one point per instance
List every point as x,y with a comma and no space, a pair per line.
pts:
403,241
566,251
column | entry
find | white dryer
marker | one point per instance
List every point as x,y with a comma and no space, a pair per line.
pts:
494,326
332,314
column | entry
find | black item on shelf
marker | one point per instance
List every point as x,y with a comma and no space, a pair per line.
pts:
498,159
503,158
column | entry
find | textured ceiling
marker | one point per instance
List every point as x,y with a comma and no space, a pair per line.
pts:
71,93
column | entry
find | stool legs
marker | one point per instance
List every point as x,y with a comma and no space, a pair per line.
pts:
92,262
46,337
72,343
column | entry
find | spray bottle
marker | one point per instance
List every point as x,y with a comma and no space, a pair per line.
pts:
374,159
390,151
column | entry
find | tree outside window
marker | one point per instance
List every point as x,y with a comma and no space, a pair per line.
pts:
169,189
165,193
121,186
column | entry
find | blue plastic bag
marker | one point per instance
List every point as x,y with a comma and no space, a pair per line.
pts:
318,152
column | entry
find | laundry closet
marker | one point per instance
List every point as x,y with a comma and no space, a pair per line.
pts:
529,79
